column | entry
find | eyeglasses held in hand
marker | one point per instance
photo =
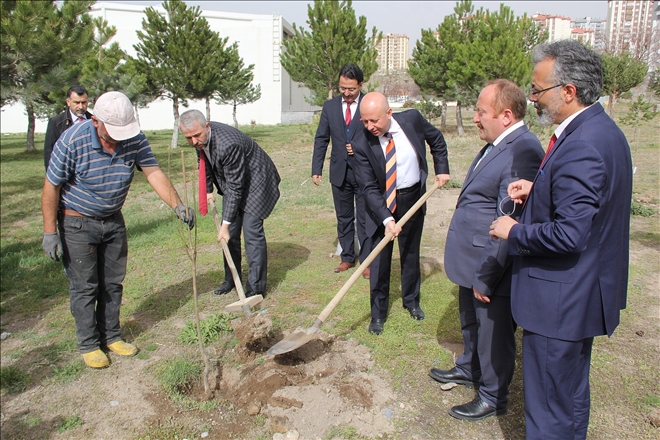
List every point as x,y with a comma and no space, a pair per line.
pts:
502,208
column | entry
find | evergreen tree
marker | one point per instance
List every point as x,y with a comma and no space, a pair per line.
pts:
471,48
236,88
178,53
639,112
654,83
621,72
135,84
37,38
335,38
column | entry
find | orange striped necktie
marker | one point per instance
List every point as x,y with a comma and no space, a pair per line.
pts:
390,173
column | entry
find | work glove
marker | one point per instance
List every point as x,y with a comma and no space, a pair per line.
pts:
52,245
187,215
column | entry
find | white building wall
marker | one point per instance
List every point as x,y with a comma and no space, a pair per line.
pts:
259,42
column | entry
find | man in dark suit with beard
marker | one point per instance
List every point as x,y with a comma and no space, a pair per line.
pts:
248,181
340,119
391,170
479,264
570,247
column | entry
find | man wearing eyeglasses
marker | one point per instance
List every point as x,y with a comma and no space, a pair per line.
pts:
479,264
570,246
340,118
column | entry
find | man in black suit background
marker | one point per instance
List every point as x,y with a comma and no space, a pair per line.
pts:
340,119
248,181
76,111
409,132
479,264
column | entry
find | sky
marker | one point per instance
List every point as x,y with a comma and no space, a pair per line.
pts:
401,17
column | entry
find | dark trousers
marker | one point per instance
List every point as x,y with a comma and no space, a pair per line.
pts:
349,205
409,242
489,345
556,380
255,249
94,259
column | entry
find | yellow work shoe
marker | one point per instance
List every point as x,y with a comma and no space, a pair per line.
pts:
96,359
123,348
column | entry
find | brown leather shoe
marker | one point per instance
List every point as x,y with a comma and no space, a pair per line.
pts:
366,274
344,266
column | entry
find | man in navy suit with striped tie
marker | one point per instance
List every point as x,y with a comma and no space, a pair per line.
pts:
391,171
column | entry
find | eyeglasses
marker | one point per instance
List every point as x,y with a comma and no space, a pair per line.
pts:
536,92
347,89
504,201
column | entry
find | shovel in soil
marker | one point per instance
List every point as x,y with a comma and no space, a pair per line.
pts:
243,303
301,337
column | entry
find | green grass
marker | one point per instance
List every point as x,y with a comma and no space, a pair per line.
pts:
13,379
70,423
210,329
301,232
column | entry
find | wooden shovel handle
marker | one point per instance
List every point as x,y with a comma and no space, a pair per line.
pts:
225,249
381,245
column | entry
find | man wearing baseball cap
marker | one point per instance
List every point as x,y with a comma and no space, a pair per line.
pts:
86,184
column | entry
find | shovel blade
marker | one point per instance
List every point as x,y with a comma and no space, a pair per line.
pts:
294,340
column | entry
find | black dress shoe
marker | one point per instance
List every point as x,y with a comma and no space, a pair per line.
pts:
475,410
376,326
223,288
453,375
416,313
250,293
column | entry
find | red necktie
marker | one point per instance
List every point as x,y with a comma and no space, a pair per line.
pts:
348,114
80,119
203,207
553,139
390,174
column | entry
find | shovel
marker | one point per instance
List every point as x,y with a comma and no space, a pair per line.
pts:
300,337
243,303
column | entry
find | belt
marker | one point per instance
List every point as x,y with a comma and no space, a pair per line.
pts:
72,213
415,187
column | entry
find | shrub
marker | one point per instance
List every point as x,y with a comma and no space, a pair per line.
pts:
211,329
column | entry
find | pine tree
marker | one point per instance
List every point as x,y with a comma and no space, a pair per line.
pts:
237,89
621,72
335,38
179,55
37,38
471,48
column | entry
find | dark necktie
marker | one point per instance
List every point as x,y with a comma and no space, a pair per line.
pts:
348,114
390,174
203,207
553,139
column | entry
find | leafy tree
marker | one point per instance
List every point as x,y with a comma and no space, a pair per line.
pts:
621,72
178,53
37,38
471,47
336,38
639,112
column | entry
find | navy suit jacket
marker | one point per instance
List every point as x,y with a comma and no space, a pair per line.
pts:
244,174
370,162
472,257
332,126
570,270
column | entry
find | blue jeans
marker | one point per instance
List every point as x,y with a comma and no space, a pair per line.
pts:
94,259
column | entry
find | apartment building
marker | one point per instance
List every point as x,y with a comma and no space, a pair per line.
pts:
393,53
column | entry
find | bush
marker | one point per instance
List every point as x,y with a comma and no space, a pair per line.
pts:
178,375
429,109
13,379
641,210
211,329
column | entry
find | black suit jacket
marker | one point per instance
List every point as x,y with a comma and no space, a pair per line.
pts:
333,127
56,126
370,174
242,172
